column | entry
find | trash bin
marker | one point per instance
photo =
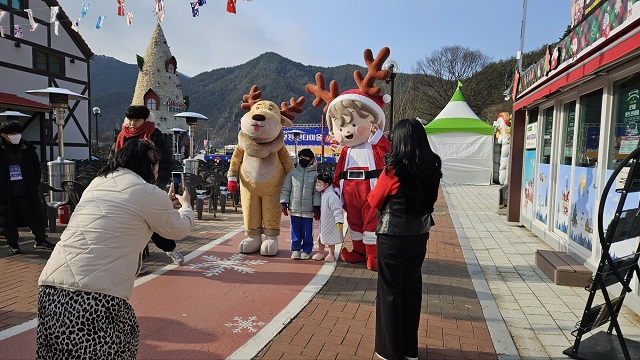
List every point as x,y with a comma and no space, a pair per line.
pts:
191,166
59,171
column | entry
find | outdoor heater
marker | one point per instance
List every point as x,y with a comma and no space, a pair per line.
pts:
191,118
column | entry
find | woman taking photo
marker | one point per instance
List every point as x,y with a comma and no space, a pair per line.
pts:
404,196
83,311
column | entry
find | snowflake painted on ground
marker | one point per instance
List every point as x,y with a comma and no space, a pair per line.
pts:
248,324
217,265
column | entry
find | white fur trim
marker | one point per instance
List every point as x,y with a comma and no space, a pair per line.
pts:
365,100
369,238
386,98
150,118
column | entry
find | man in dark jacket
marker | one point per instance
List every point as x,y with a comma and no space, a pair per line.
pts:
19,179
139,123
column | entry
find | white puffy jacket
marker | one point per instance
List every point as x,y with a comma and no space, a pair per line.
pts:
113,222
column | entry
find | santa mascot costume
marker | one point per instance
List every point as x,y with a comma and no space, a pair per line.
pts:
355,118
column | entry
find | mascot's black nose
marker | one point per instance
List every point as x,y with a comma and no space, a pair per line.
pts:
258,117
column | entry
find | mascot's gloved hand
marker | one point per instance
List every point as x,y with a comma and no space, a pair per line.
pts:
232,185
340,226
285,208
316,212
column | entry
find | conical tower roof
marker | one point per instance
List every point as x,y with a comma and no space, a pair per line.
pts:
158,86
457,116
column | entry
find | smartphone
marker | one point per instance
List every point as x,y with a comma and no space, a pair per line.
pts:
177,179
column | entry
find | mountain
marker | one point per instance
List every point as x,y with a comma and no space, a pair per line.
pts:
217,94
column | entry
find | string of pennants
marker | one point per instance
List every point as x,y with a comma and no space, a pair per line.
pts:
159,10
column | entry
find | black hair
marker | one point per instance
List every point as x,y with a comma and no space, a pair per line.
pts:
10,127
417,167
137,155
307,153
137,112
325,178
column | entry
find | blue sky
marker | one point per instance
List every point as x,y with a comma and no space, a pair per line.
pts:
323,32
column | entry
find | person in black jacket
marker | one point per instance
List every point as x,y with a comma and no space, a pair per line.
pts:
139,124
20,202
404,195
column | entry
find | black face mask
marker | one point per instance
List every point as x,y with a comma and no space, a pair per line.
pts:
304,162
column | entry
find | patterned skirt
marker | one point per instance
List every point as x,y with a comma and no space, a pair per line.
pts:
85,325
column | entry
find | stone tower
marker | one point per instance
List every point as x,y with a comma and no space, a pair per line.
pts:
158,86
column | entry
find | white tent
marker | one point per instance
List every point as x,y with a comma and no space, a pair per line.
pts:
463,142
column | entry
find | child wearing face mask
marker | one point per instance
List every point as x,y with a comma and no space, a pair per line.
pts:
19,196
301,200
331,219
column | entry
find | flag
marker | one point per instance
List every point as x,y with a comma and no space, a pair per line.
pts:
54,13
33,27
76,24
85,8
231,6
120,11
195,10
56,24
30,15
1,31
1,14
17,31
129,17
202,2
100,22
159,10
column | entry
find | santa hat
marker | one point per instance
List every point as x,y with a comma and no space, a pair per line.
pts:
376,102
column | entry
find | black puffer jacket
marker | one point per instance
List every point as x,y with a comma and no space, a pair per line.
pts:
393,220
23,154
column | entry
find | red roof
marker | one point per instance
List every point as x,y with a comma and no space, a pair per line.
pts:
11,100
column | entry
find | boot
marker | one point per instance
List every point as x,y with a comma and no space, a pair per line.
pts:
269,246
372,257
250,245
358,254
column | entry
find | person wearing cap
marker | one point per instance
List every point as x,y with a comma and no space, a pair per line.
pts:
20,201
139,123
300,199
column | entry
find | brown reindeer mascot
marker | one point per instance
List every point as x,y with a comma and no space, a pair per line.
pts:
354,119
261,161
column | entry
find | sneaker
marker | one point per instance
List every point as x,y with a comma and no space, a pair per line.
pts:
318,256
44,244
14,249
304,256
295,255
177,258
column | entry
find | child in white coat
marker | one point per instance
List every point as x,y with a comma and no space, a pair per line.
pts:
331,219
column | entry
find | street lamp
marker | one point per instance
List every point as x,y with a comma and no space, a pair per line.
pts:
392,66
176,133
96,113
296,134
60,169
191,164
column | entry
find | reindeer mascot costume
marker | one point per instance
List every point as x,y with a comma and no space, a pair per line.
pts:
260,161
354,119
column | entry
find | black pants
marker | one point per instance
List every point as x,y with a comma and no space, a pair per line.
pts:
163,243
399,296
21,207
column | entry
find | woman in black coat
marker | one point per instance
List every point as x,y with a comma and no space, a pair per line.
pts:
20,201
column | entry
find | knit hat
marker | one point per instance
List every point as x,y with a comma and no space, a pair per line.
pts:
376,102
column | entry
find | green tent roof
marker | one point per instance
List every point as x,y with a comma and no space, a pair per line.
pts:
457,116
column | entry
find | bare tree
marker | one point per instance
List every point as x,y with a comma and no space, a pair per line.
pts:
437,76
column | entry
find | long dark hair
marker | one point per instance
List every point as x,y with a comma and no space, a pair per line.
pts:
137,155
417,167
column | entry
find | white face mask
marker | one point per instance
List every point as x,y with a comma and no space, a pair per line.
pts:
14,139
320,188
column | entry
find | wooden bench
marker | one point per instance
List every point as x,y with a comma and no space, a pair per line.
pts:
562,268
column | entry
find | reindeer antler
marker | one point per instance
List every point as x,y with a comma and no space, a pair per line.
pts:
251,98
374,73
319,90
295,106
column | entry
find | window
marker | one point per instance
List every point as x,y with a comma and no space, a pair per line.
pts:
625,119
152,104
569,114
547,131
48,62
171,69
589,129
16,4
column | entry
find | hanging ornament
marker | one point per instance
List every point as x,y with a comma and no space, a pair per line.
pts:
85,8
1,31
54,13
33,27
56,24
159,10
129,18
100,22
195,9
120,11
17,31
231,6
202,2
1,14
32,21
